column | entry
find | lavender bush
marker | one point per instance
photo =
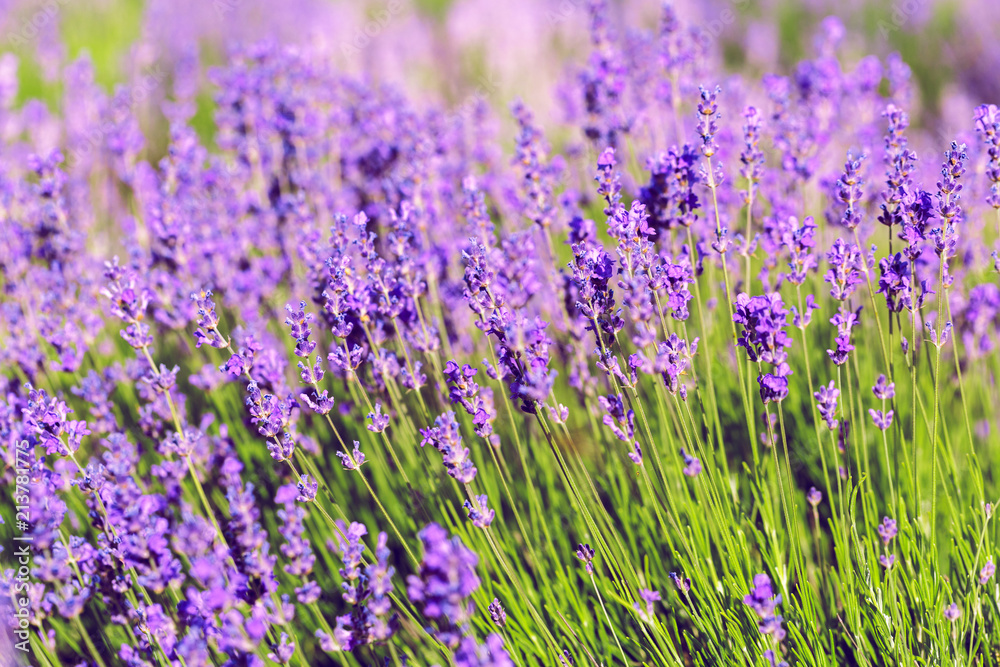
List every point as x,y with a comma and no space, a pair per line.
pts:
687,359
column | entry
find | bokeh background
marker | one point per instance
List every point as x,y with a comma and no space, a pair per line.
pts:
465,49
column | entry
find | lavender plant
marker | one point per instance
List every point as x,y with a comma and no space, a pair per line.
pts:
303,369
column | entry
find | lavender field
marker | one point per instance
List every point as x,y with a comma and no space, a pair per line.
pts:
468,333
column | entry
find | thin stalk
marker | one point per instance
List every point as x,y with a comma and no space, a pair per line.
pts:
606,616
871,295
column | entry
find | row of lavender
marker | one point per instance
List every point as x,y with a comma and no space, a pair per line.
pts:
228,365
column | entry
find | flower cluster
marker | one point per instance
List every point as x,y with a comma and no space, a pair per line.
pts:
763,320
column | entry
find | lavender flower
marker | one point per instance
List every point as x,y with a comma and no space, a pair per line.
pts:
379,421
692,466
491,654
751,157
849,191
882,420
894,282
763,319
708,119
352,460
476,401
445,437
826,403
846,267
299,321
764,602
497,613
365,590
480,515
989,569
987,121
445,581
682,583
845,320
208,321
883,389
649,598
586,554
673,358
887,530
617,418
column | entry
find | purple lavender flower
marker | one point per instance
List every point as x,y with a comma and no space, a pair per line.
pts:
763,319
45,418
524,356
480,515
352,460
849,192
586,554
814,496
649,598
283,651
497,613
845,320
773,660
952,612
987,121
826,403
989,569
846,267
708,121
899,160
307,487
491,654
319,403
379,420
800,241
894,282
537,175
949,209
682,583
617,418
938,339
887,530
883,389
603,83
446,438
477,401
751,157
365,590
692,466
444,583
673,358
298,320
764,602
208,321
609,181
882,420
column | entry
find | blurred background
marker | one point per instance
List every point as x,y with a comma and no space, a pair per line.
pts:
457,51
